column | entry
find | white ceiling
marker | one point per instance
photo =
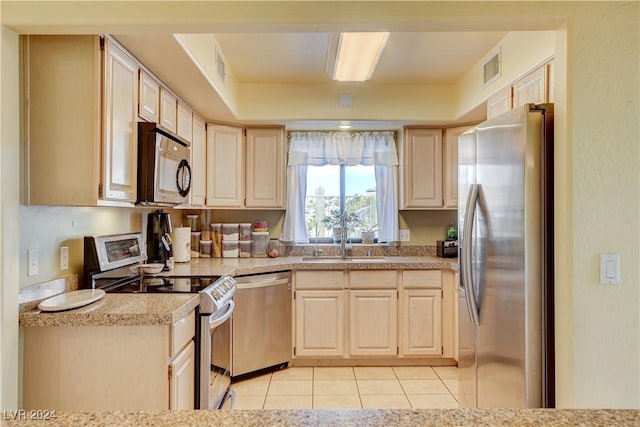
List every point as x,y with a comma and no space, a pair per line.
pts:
409,57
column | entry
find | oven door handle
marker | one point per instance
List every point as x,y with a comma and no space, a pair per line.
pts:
214,322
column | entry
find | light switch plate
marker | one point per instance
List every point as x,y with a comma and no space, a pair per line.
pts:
609,269
64,258
405,235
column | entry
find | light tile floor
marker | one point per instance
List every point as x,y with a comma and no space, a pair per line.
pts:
345,387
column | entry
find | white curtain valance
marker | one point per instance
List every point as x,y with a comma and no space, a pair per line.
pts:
348,148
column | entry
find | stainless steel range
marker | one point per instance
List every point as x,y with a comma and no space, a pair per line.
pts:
110,264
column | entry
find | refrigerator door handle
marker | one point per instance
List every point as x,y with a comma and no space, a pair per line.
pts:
467,270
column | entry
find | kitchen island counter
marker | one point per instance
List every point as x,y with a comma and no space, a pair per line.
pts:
362,417
118,310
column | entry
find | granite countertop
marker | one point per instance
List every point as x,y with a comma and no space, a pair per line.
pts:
361,417
242,266
161,309
118,310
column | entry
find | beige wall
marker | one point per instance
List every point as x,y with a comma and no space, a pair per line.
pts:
321,102
426,227
47,228
597,148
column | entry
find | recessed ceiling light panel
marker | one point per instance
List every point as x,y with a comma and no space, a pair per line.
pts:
358,55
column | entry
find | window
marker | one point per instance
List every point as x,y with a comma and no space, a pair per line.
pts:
330,172
325,201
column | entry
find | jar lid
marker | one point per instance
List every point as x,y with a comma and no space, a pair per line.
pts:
230,225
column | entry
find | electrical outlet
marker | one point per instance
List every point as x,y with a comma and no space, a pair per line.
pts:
64,258
405,235
33,264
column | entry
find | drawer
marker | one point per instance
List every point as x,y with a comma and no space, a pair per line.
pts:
325,279
422,279
182,332
373,279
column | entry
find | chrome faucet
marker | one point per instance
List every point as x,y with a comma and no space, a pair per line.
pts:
343,232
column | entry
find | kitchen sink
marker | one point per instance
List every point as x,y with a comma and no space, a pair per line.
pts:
345,259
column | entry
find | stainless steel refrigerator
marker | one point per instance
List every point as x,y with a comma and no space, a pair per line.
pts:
505,295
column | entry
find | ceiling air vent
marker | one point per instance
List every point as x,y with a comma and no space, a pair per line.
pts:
491,67
220,65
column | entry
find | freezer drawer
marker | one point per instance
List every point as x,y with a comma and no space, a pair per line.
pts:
261,324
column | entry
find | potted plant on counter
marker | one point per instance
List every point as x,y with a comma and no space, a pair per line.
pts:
334,220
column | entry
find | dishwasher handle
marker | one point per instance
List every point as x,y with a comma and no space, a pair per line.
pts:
261,284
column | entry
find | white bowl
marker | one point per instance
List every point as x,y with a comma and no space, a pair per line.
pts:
151,268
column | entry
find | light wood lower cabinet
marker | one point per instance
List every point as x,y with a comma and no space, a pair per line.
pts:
421,322
181,379
106,368
384,313
373,323
320,323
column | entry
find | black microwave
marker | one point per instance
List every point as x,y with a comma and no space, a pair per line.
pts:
164,172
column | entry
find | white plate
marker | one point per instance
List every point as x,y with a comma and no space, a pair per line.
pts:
71,300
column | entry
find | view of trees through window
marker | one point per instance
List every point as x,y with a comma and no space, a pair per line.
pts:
322,206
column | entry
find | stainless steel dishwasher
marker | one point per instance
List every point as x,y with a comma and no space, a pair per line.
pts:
261,323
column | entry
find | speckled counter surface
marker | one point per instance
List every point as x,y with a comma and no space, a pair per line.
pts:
241,266
118,310
157,309
363,417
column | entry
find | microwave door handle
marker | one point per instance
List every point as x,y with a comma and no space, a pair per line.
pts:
183,178
214,323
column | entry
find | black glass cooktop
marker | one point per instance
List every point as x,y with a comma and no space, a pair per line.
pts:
161,284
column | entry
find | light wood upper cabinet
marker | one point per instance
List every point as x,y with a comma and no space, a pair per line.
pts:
80,121
421,322
536,87
185,121
245,175
551,82
149,97
532,88
168,110
225,166
265,168
120,148
500,102
319,323
198,162
422,169
373,322
450,165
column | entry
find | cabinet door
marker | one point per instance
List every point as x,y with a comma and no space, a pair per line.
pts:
149,92
181,379
532,88
265,168
225,166
422,169
373,323
120,150
185,117
198,162
551,82
450,165
320,323
168,110
421,322
499,102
